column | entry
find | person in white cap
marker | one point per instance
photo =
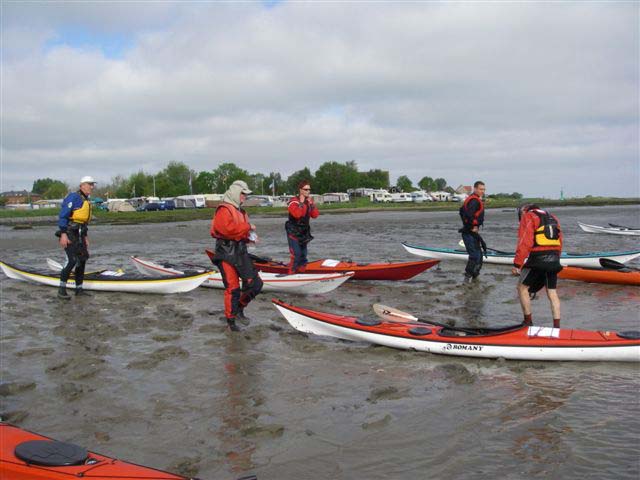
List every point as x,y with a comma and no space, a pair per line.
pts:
231,229
73,223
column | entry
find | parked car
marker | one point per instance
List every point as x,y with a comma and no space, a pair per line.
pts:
167,205
149,207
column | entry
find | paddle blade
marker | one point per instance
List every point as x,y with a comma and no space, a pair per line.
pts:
392,314
53,265
613,265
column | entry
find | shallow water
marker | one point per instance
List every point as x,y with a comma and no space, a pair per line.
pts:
158,380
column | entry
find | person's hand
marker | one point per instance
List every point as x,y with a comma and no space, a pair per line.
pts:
252,226
64,240
515,271
475,229
86,241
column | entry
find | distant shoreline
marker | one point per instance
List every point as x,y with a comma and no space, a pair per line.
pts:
17,218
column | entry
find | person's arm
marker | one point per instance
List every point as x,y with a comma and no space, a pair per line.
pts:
525,240
314,212
63,220
297,209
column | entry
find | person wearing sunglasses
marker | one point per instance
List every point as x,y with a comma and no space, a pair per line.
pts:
301,210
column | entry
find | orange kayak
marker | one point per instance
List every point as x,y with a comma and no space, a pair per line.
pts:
600,276
26,455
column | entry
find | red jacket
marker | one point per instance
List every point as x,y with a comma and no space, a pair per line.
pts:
298,209
529,223
230,223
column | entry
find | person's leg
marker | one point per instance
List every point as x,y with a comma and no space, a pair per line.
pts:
528,278
83,256
525,303
302,266
65,273
554,299
296,254
470,243
231,294
251,287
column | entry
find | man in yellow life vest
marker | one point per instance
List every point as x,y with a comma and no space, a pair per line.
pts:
73,223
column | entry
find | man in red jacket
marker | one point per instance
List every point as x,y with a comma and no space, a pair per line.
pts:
231,229
301,210
537,259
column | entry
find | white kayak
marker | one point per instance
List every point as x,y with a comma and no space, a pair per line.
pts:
301,283
586,260
515,342
612,229
111,281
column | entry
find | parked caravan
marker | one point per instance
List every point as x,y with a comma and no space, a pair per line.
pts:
401,197
197,201
380,196
335,198
420,196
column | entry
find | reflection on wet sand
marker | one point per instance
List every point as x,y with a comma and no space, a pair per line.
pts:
236,405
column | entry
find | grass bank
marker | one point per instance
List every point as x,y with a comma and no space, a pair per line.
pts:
48,216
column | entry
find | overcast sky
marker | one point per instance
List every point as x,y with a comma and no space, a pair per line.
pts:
530,97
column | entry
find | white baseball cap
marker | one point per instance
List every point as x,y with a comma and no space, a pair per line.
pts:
87,179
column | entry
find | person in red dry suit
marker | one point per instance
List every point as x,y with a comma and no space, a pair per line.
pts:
231,229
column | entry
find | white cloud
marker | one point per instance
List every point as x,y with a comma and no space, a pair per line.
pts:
524,95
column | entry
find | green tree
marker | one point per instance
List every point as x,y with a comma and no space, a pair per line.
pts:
427,184
56,190
441,183
176,179
257,184
404,184
49,188
275,185
225,175
205,182
296,177
336,177
374,179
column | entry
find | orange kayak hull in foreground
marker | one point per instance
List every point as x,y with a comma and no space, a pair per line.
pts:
95,467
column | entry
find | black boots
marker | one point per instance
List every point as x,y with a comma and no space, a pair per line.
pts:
62,292
233,326
80,292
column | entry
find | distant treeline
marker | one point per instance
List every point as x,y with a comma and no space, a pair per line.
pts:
178,179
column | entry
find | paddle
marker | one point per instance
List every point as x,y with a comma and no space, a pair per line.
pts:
613,265
489,249
56,267
258,259
623,227
391,314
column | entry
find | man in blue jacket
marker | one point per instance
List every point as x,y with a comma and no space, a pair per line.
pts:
73,223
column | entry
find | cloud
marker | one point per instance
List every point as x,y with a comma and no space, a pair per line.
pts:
527,96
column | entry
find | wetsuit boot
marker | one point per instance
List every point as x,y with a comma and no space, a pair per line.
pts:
233,326
80,292
62,292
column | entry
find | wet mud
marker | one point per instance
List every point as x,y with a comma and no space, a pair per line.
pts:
159,380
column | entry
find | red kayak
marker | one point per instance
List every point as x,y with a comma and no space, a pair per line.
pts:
600,276
362,271
26,455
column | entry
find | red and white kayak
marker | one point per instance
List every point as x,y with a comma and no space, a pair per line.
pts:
594,275
301,283
517,342
585,260
26,455
362,271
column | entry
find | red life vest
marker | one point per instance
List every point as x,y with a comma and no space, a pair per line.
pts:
238,217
